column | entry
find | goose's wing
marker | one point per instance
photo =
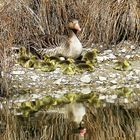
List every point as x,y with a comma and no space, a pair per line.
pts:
52,41
49,44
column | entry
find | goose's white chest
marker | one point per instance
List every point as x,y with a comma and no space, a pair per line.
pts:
75,47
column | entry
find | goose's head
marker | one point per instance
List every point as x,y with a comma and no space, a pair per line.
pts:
74,25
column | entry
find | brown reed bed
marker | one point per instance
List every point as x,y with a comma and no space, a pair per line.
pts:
101,21
103,123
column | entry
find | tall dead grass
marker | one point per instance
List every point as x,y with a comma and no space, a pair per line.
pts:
112,122
102,21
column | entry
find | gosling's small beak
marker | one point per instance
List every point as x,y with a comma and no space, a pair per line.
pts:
77,27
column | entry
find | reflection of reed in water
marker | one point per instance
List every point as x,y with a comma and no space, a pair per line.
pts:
137,129
111,122
65,124
60,124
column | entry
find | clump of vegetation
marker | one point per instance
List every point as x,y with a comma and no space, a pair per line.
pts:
124,92
122,65
29,107
47,64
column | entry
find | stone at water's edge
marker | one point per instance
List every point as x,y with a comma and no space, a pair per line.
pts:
86,79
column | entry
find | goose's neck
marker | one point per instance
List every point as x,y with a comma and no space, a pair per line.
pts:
72,33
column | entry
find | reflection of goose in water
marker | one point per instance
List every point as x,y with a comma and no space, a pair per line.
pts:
75,112
62,122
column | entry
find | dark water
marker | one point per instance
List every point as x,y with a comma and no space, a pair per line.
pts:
107,122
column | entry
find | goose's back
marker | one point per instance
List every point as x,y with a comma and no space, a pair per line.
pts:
52,41
54,45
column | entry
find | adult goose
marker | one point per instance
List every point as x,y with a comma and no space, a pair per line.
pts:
68,46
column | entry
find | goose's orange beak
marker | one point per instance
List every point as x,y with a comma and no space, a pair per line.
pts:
77,27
